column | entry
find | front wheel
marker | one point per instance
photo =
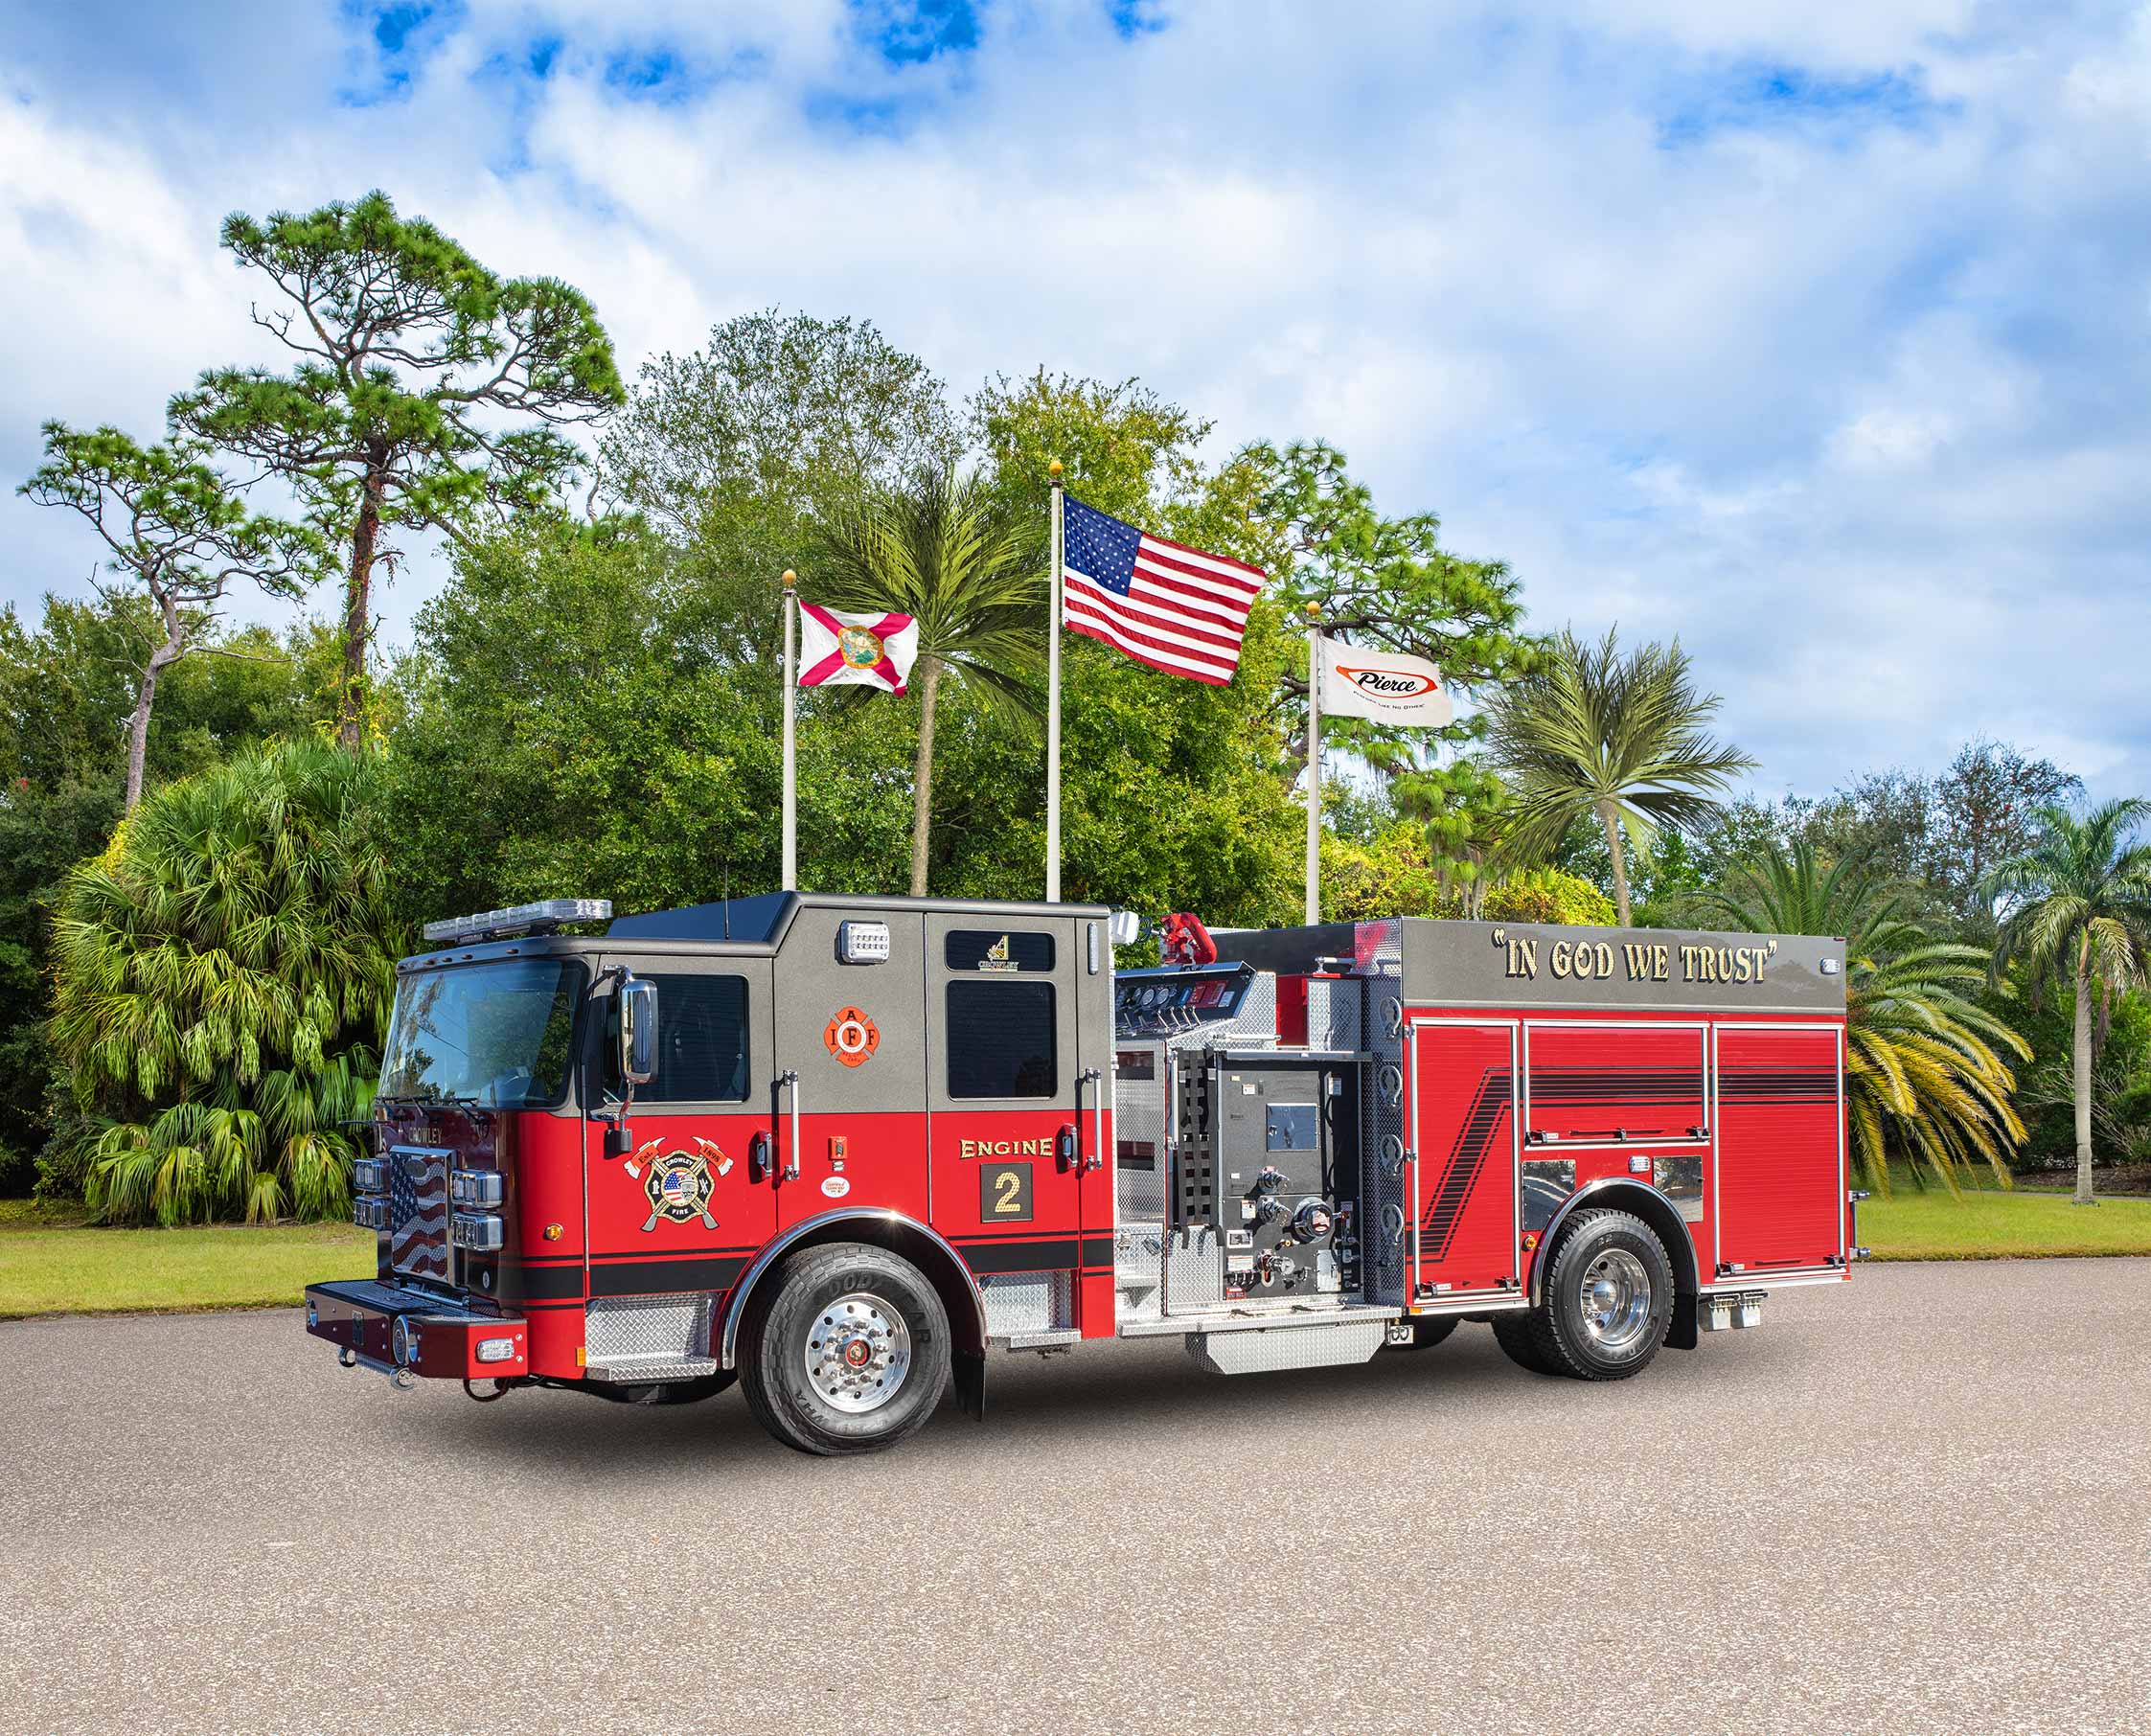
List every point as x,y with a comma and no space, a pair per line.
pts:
847,1350
1605,1302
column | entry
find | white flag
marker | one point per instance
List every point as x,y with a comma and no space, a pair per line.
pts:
838,648
1382,686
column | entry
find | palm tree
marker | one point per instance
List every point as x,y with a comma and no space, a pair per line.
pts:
221,982
2079,910
1922,1074
1623,738
944,551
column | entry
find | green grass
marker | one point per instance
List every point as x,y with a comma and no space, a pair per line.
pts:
1989,1224
51,1264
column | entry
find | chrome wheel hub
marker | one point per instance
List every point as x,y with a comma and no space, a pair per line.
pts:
1615,1295
858,1352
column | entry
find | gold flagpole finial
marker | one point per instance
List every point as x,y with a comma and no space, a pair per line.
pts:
1313,611
1053,469
791,578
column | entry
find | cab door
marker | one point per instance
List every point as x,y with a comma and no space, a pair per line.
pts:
1005,1070
691,1204
853,1038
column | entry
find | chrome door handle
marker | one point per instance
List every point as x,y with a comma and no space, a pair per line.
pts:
1096,1159
791,1083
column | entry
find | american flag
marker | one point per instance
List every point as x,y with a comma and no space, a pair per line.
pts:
1164,603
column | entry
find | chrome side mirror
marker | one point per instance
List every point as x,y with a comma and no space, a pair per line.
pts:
1126,927
638,1029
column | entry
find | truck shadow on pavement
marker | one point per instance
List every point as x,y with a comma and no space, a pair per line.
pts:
1065,1401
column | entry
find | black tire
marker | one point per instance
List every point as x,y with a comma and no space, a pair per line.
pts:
1511,1331
886,1300
1622,1253
1428,1333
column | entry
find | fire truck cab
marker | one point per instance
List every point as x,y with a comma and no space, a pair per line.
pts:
841,1150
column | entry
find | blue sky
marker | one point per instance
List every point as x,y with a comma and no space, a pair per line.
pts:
1820,336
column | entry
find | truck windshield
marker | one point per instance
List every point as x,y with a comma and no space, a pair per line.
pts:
500,1035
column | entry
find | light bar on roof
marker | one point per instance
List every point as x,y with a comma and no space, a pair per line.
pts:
519,919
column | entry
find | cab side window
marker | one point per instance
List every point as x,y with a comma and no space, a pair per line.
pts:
1001,1039
701,1040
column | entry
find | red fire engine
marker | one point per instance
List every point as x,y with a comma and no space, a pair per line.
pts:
839,1150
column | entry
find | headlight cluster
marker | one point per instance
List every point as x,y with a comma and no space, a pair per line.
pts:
480,1232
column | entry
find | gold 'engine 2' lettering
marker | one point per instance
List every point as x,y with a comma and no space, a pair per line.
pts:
1004,1148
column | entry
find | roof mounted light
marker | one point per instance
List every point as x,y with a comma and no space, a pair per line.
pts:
542,917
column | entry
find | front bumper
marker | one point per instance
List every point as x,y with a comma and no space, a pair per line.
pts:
406,1331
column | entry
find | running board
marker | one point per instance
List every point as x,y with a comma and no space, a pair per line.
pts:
1268,1339
1268,1349
635,1370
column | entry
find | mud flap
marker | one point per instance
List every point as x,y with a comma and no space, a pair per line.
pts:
969,1376
1681,1330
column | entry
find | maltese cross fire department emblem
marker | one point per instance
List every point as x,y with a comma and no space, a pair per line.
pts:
678,1184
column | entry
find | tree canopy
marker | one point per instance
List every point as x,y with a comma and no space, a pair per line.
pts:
173,526
591,705
426,389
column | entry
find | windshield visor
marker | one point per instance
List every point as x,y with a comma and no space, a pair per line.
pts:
498,1035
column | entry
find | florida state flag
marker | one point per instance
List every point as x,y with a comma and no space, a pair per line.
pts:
836,647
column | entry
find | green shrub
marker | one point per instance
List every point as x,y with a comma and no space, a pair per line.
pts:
222,978
1394,874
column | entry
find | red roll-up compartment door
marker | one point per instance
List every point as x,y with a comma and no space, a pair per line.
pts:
1781,1146
1463,1084
1609,1082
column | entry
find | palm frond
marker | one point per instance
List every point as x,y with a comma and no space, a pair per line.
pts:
223,980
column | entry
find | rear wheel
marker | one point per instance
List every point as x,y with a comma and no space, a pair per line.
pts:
846,1350
1512,1333
1605,1305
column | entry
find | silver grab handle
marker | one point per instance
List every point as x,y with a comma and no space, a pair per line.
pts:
790,1083
1095,1079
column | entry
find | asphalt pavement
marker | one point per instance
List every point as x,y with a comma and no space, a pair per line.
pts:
1919,1502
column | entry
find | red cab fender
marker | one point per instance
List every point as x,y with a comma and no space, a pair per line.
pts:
883,1227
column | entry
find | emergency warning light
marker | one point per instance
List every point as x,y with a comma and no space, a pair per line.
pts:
547,913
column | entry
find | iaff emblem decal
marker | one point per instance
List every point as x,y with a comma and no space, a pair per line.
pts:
678,1183
850,1037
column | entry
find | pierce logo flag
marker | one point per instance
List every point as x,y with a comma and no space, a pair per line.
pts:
1382,686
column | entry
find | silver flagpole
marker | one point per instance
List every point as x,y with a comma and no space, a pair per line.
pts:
1053,705
1314,764
791,765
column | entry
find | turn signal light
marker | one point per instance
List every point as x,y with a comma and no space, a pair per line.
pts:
496,1350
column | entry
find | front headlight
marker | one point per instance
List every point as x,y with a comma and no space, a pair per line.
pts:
481,1232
